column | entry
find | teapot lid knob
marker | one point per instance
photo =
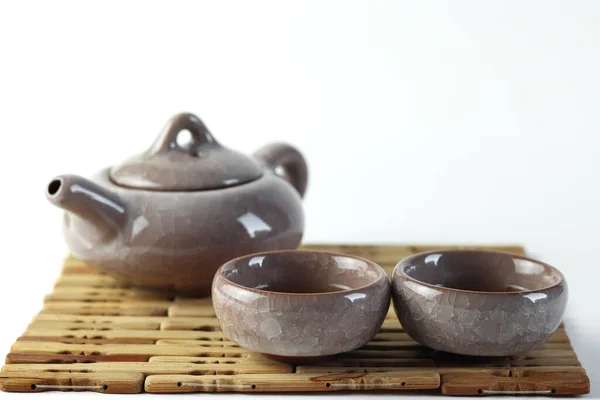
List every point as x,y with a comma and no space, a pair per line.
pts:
172,136
186,157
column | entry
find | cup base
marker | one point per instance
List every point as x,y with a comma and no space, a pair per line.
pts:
301,360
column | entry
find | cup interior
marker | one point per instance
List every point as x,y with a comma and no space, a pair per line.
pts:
484,271
301,272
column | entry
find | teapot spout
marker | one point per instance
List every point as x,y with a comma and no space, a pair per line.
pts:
89,201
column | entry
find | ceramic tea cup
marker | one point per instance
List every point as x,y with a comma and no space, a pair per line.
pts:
477,302
300,303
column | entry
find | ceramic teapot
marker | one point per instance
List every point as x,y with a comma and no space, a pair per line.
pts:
169,217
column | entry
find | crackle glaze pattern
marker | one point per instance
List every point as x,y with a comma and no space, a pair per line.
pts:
176,240
478,302
254,310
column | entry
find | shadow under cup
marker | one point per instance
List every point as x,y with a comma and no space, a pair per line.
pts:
300,303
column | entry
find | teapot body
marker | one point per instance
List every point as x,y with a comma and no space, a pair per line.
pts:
177,240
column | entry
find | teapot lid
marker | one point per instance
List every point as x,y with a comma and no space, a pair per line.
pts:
173,163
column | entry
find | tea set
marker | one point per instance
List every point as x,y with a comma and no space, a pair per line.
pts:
197,218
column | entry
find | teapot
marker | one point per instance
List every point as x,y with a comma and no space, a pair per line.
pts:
169,217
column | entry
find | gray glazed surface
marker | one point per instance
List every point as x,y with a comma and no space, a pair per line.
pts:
477,302
253,301
176,239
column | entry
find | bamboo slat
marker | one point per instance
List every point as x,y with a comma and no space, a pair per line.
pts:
128,334
108,382
154,368
499,371
530,385
96,334
122,349
409,380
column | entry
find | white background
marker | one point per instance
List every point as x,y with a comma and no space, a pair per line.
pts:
422,122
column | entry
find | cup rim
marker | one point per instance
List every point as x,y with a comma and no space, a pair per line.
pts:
381,273
399,269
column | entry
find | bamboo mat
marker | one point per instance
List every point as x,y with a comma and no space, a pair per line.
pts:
94,334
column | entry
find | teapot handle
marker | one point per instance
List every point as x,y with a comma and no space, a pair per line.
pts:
167,140
287,162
